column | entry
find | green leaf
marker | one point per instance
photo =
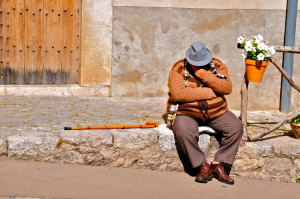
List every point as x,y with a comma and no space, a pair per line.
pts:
296,120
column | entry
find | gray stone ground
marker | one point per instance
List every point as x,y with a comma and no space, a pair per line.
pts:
32,128
35,113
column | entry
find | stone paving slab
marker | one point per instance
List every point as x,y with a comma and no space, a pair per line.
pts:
57,112
32,128
33,113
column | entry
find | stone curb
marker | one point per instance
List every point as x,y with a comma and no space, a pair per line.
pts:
273,159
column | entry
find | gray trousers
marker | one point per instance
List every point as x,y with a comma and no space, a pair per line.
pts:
229,131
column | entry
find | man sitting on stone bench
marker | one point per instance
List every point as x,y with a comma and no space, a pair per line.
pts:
197,85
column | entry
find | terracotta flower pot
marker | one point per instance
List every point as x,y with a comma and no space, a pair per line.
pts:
295,129
255,69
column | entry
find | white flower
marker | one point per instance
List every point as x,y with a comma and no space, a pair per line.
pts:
271,50
248,43
244,56
248,48
255,47
240,39
266,47
259,38
260,57
262,46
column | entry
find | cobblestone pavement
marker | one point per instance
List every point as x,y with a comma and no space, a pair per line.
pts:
57,112
260,121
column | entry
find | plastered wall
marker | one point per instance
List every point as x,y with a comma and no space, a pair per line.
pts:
128,47
147,41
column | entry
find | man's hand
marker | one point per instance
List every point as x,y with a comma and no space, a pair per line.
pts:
214,95
201,73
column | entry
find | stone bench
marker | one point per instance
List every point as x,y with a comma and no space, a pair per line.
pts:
274,159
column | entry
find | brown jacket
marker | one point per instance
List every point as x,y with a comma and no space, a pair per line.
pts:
193,99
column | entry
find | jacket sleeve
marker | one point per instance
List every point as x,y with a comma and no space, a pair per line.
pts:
181,93
218,85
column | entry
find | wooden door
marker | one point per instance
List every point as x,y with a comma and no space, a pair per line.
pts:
39,41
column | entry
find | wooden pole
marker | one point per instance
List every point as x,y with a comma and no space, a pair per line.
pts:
244,95
244,104
287,77
276,126
294,115
287,49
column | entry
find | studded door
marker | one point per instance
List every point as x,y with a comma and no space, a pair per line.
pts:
39,41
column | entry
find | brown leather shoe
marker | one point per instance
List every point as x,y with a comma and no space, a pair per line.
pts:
218,172
205,173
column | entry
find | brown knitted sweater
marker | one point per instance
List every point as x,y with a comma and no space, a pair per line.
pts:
195,100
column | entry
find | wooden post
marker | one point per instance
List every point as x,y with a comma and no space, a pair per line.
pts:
286,76
244,95
244,104
287,49
279,124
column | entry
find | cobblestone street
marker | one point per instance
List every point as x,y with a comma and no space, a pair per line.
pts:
58,112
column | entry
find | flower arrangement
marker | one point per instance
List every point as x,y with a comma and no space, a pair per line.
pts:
255,48
295,126
296,120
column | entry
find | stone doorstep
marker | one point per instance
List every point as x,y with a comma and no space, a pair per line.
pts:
274,159
54,90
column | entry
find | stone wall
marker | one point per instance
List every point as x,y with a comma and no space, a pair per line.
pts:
128,47
147,41
207,4
96,44
275,159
